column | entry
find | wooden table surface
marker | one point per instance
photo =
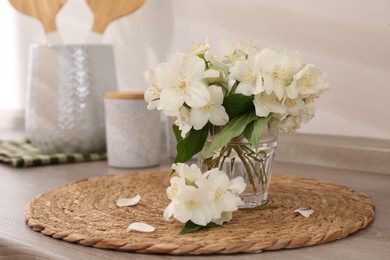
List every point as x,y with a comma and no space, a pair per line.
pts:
18,241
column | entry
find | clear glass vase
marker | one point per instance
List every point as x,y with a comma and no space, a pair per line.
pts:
240,158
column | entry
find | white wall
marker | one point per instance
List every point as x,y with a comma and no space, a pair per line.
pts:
348,39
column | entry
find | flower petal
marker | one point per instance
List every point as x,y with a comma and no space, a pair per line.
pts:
193,68
245,89
225,217
202,216
170,100
260,109
164,75
169,211
268,59
197,95
237,185
199,118
279,89
225,47
216,95
218,116
292,90
141,227
210,73
305,212
122,202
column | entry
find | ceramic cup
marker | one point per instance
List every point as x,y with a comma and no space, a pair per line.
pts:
66,87
132,131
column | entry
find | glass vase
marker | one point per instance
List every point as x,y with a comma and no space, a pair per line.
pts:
240,158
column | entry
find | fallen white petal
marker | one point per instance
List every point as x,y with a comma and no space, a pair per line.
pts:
139,226
305,212
122,202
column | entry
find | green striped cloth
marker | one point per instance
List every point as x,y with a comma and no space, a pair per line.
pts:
24,154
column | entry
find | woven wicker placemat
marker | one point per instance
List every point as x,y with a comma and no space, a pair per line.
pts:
84,212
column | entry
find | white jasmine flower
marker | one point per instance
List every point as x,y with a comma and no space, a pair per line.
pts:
266,104
213,111
193,204
183,121
218,183
295,107
200,48
229,52
177,184
308,81
248,47
248,73
181,81
216,65
226,48
190,174
152,94
278,69
225,217
310,111
290,124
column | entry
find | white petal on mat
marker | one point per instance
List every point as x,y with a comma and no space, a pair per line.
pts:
128,202
139,226
305,212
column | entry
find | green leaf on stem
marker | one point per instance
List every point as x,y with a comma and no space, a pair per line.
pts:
255,129
236,104
191,144
190,227
232,129
177,133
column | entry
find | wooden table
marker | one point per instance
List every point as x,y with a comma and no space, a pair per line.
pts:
18,241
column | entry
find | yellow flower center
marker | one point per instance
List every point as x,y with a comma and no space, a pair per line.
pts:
181,83
265,99
155,89
172,191
207,108
306,82
279,72
197,47
290,103
249,78
248,45
219,194
192,203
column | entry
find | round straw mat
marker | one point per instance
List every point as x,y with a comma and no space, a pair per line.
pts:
85,212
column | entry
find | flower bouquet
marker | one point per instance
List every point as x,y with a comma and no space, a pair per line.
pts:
229,107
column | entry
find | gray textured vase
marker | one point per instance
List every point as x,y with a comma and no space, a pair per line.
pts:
66,87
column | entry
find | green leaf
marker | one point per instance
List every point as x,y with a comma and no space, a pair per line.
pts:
177,133
212,224
190,227
255,129
234,128
236,104
191,145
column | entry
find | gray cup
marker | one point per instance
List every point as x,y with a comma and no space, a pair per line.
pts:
66,86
